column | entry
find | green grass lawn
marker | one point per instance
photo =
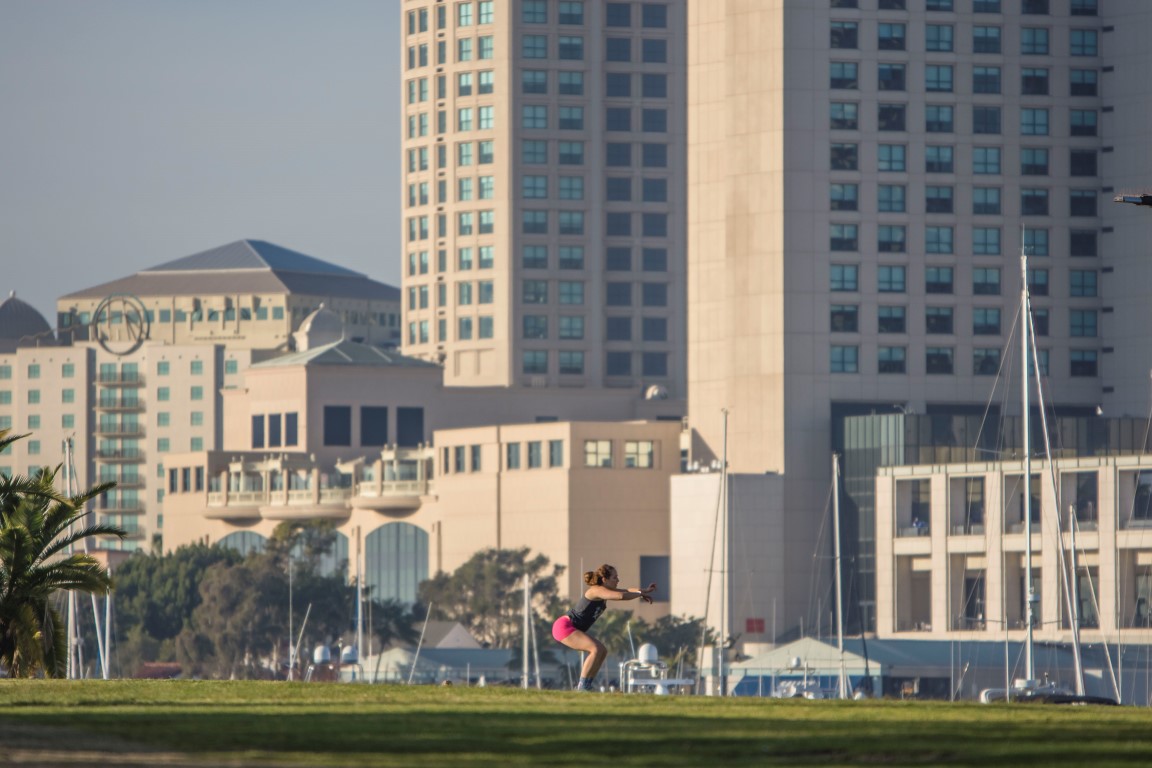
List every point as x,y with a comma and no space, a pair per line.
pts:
296,724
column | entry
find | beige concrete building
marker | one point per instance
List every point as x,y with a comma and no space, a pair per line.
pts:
861,177
142,363
343,432
951,558
545,198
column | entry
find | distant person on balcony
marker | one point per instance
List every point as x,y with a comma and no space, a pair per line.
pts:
571,629
918,525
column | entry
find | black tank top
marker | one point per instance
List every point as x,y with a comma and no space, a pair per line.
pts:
586,612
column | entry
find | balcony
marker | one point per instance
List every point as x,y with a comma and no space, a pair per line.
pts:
120,456
122,508
118,405
119,430
390,496
123,379
125,481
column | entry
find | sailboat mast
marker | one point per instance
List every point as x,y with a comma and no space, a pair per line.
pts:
1025,327
839,596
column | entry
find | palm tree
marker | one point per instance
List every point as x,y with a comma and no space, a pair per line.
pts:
38,528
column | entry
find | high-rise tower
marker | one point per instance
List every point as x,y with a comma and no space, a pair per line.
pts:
544,173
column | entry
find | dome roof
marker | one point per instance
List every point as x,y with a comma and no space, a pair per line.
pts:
21,325
318,329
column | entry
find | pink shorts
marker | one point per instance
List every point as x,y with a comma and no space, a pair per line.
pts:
561,628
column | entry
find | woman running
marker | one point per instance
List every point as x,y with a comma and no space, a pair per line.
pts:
572,628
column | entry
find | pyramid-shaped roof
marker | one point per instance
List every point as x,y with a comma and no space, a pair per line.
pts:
251,254
245,266
347,353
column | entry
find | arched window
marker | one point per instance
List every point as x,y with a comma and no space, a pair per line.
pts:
244,542
396,561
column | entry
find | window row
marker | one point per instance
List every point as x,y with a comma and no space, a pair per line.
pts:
942,78
893,158
986,321
571,48
893,198
617,294
616,258
466,14
572,328
1027,7
892,36
985,241
942,118
571,118
67,421
275,430
986,281
986,361
616,15
67,371
571,362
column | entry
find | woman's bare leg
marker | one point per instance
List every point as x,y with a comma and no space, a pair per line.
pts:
582,641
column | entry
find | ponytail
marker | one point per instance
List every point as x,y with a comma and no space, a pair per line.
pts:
596,578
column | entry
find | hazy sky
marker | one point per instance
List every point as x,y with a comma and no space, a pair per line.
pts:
133,132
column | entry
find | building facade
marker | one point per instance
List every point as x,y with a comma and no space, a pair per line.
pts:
142,364
544,167
862,176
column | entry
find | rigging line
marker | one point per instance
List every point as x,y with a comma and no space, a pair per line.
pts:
1005,360
708,588
814,574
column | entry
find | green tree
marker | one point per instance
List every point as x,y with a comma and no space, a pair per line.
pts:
486,594
159,592
38,528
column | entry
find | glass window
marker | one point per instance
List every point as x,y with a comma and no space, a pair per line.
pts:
843,116
1082,162
1082,82
986,120
534,257
571,83
534,292
1082,242
1082,323
1083,42
618,49
571,152
1034,161
1034,122
937,199
843,34
890,77
938,118
843,318
844,278
654,86
1083,122
1082,202
571,48
986,160
986,241
1082,282
844,237
891,279
938,78
891,359
986,79
891,319
891,157
938,320
986,39
571,13
598,453
986,321
1036,241
618,84
844,75
938,360
890,37
654,16
535,362
844,197
571,292
571,328
891,117
1083,362
571,118
1034,81
535,327
534,116
938,280
890,198
986,281
891,238
534,47
1034,201
618,15
938,37
938,239
654,51
938,159
531,81
844,157
1034,41
844,359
